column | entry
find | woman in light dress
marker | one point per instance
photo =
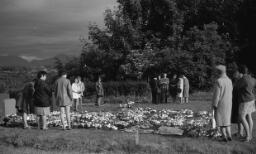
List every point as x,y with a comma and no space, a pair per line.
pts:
180,88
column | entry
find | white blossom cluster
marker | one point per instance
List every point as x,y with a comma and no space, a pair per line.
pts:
193,124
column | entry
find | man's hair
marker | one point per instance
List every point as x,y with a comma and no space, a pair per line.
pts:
243,69
40,74
62,72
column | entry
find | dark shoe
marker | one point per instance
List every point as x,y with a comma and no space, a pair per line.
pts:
229,139
224,140
69,128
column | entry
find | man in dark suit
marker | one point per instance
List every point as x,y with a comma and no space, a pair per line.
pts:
153,86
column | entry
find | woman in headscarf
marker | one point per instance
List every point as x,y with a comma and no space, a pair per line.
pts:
222,102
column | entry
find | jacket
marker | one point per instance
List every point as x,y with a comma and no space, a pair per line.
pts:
63,92
42,94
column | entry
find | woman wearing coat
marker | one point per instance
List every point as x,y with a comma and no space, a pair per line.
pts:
222,102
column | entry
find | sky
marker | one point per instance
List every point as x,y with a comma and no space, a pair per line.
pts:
38,29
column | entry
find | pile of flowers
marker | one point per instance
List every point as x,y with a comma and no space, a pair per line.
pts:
193,124
129,104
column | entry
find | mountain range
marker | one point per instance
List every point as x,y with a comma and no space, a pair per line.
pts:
18,61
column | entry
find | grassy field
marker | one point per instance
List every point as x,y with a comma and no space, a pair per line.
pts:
18,140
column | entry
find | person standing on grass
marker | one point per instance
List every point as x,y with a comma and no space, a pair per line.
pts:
173,87
246,100
64,97
153,86
222,102
158,90
185,88
82,87
76,88
42,99
235,106
164,85
99,92
180,86
24,102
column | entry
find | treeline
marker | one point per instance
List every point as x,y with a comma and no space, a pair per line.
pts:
143,38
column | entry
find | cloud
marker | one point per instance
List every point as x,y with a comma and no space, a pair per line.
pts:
30,58
44,28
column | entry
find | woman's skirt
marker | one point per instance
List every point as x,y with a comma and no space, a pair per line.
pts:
246,108
42,111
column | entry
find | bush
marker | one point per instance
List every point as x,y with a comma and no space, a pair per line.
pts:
134,88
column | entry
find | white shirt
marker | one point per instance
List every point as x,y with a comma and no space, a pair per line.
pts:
76,90
82,88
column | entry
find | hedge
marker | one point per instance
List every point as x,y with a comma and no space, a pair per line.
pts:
128,88
124,88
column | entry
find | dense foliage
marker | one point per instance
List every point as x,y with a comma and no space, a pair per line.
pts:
143,38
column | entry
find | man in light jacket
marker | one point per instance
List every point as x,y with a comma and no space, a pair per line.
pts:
222,102
63,94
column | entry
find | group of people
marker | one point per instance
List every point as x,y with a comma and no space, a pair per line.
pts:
177,87
234,102
37,96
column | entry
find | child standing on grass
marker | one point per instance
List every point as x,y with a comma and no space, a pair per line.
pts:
42,98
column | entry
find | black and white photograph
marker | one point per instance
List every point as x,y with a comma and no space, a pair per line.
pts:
127,76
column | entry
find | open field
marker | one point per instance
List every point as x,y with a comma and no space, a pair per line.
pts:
18,140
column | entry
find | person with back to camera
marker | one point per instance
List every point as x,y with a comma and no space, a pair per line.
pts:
24,102
246,100
64,97
42,99
222,102
235,106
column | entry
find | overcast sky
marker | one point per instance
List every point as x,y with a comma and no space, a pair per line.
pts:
45,28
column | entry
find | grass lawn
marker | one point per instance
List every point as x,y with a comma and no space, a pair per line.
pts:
18,140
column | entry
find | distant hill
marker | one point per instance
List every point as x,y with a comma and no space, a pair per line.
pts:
13,61
18,61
